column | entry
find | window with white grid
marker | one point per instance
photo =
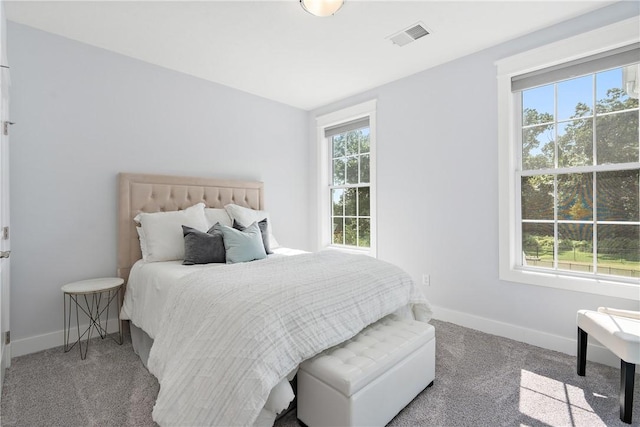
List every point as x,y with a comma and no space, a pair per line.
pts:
570,165
579,175
350,185
347,176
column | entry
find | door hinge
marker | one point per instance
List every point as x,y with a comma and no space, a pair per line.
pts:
5,127
7,337
5,233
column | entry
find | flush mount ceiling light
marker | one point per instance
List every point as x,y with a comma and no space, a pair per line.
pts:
321,7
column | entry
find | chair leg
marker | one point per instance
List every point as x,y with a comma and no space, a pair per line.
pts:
582,351
627,377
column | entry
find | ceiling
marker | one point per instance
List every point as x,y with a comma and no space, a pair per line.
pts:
276,50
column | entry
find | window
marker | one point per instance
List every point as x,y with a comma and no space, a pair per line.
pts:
570,166
350,183
579,175
347,177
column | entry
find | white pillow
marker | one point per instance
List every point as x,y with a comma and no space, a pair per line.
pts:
163,231
246,217
217,216
143,242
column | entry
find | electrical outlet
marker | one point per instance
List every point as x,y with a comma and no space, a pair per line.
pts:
426,280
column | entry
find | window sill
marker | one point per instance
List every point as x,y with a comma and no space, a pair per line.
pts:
349,250
598,286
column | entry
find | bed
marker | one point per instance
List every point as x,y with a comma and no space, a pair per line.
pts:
225,339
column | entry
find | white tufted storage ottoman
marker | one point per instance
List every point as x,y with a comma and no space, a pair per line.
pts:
367,380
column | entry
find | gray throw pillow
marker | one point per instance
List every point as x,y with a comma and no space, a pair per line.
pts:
263,230
203,248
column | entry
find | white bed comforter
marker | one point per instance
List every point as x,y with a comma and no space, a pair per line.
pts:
229,336
149,285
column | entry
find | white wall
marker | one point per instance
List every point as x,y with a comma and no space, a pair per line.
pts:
84,114
438,193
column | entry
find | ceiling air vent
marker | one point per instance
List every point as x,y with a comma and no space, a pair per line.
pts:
409,35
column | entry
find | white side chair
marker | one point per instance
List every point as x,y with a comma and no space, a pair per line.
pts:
619,331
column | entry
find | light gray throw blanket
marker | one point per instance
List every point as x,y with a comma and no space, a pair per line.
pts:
230,334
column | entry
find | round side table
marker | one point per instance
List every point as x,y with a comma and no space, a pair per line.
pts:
93,297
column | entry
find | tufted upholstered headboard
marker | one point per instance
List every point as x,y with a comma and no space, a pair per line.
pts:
158,193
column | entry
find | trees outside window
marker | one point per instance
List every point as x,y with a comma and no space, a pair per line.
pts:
579,176
350,189
347,197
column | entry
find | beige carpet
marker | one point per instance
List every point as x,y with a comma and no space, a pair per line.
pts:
481,380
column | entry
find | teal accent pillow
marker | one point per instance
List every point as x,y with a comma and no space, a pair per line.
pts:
242,246
264,229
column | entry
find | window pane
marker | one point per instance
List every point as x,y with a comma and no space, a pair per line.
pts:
575,196
352,170
575,97
610,93
338,145
337,198
364,236
353,140
575,247
619,250
582,123
338,234
350,231
364,169
350,195
537,244
617,138
364,141
350,154
363,201
338,171
537,147
617,194
575,143
537,197
537,105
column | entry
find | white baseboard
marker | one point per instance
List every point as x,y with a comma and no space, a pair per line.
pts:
29,345
7,356
595,353
37,343
5,361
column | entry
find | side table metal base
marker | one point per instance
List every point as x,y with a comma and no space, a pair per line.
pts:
93,305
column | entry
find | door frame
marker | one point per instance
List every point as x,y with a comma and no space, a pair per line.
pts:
5,242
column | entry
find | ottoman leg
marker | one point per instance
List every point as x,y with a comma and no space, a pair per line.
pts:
627,377
582,351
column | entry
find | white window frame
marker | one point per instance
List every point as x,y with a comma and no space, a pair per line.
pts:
365,109
593,42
